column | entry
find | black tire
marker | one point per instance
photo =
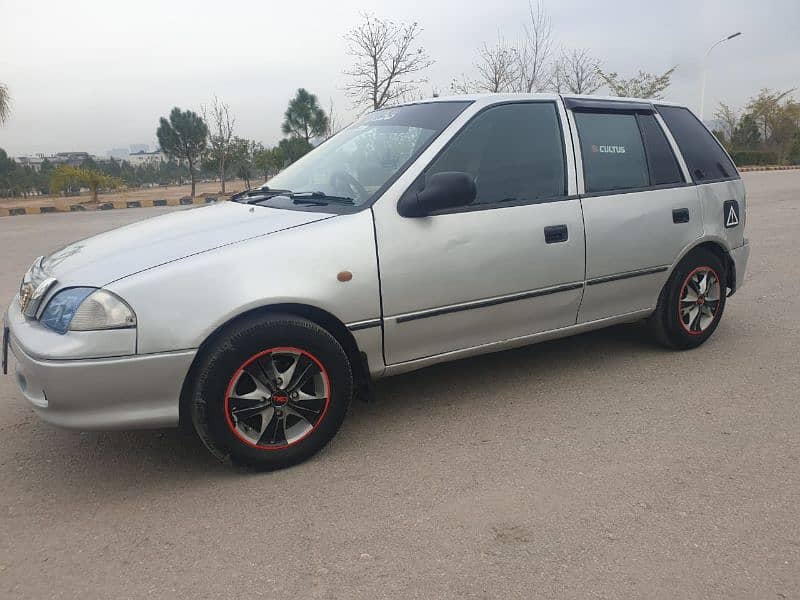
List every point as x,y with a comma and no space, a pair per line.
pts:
247,343
666,323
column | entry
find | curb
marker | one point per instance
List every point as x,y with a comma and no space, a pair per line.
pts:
769,168
13,211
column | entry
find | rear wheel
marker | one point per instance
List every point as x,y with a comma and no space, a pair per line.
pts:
692,301
271,391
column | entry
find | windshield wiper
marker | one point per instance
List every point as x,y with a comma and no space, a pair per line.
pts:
255,196
319,198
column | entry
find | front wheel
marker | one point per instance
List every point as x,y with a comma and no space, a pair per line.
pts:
692,301
271,391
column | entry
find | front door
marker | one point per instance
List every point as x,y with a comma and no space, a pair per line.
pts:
510,264
639,212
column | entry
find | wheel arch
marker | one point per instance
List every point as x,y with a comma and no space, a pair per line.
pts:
719,249
321,317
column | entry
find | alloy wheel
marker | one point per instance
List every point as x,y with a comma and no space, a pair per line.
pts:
277,398
700,298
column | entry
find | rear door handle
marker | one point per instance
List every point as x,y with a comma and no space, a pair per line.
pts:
554,234
680,215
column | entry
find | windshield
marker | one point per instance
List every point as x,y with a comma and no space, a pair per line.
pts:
352,166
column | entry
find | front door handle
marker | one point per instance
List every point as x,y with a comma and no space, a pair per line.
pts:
554,234
680,215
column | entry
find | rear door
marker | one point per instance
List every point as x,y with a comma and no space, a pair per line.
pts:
640,212
718,183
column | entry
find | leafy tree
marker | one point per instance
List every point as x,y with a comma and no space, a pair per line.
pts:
65,179
293,148
243,158
765,108
747,133
183,137
768,132
5,103
386,61
7,169
641,85
220,136
68,178
304,118
729,119
268,161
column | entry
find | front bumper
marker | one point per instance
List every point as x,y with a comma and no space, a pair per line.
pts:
739,256
119,392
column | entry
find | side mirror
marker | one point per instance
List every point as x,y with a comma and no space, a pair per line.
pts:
447,189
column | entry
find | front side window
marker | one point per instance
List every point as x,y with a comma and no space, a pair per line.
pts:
514,152
354,164
612,151
701,151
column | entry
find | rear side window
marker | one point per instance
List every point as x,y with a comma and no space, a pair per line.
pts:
612,151
663,165
701,151
514,151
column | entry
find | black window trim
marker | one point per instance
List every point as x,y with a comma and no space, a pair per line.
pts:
601,105
413,188
736,176
614,107
648,188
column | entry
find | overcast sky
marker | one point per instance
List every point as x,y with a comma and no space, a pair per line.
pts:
95,75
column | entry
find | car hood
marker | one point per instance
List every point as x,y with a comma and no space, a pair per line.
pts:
99,260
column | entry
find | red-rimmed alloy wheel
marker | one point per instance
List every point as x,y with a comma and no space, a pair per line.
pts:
277,398
270,391
692,301
701,295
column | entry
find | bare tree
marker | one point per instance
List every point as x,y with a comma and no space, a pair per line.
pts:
577,72
496,70
220,135
334,124
641,85
729,118
533,52
386,61
496,67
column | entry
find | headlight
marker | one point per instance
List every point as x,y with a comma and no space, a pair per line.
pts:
87,309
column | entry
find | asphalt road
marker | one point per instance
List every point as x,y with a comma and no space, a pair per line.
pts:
599,466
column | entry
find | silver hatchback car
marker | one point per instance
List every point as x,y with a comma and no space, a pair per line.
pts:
421,233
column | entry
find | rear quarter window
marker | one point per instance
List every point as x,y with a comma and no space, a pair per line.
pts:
702,152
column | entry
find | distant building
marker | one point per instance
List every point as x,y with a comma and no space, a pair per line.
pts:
136,148
73,159
34,162
118,153
141,158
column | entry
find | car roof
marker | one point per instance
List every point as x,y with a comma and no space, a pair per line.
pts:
493,98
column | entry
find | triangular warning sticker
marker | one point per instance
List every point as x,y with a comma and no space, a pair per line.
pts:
733,218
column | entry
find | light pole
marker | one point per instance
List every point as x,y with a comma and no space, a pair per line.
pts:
705,70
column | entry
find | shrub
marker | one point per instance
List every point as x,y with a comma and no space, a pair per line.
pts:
744,158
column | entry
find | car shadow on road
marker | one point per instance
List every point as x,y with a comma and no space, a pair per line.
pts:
547,364
174,458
